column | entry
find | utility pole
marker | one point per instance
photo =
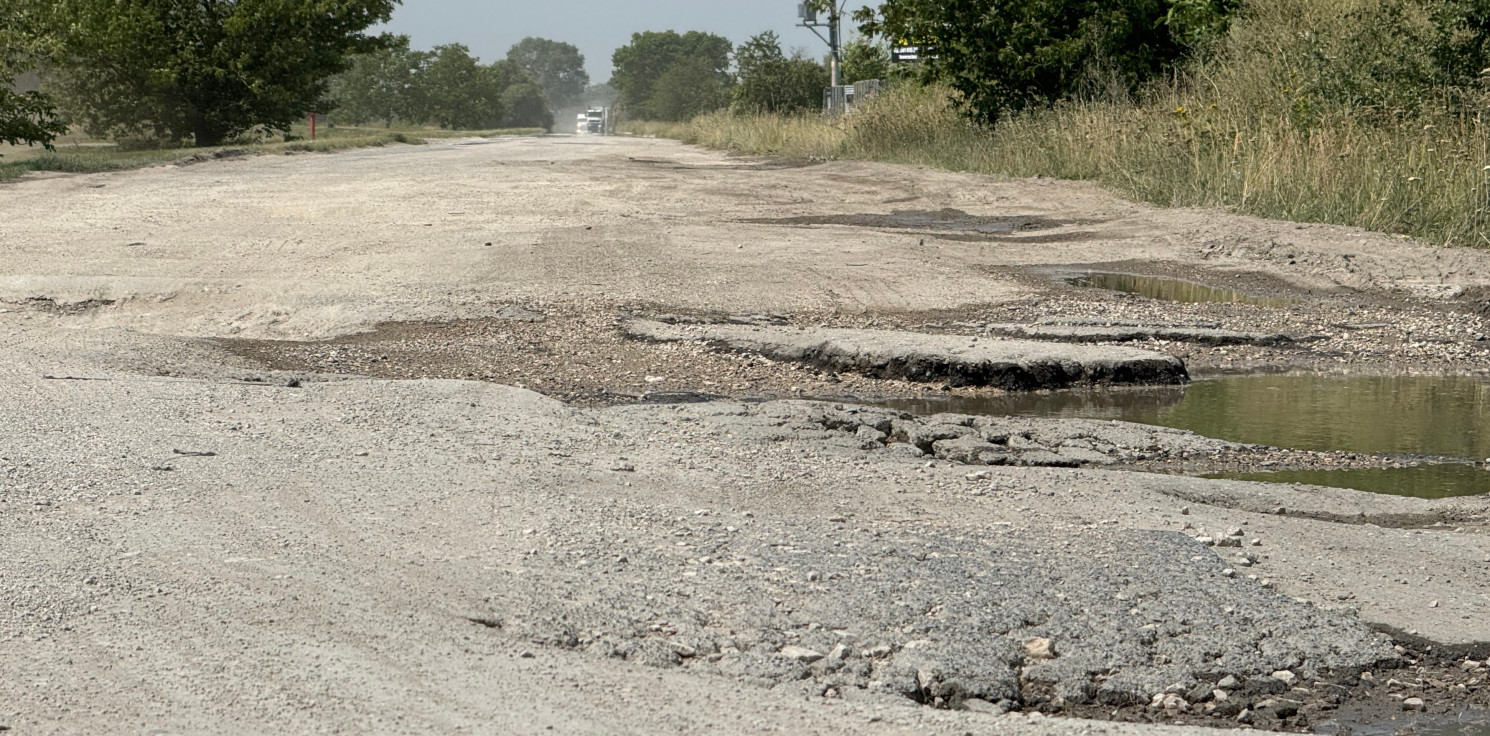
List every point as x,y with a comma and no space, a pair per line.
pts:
808,13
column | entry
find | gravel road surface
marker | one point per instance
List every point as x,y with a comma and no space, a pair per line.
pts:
226,507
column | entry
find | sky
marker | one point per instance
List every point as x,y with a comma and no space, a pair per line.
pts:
597,27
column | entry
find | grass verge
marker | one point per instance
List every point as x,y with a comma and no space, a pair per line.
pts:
82,156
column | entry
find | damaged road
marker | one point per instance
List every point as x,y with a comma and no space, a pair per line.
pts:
304,494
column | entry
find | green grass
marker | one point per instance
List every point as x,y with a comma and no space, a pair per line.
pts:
80,155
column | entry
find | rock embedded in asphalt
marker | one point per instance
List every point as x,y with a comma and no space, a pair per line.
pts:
801,654
951,359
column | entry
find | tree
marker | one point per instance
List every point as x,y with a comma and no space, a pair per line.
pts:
1004,55
524,101
760,50
382,85
688,88
30,117
694,58
768,81
864,59
558,67
460,92
204,69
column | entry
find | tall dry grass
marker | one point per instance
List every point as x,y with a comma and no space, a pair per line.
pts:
1311,110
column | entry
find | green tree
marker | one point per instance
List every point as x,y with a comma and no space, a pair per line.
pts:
686,89
524,101
205,69
1462,47
382,85
768,81
760,50
28,118
1004,55
698,60
459,91
558,67
863,59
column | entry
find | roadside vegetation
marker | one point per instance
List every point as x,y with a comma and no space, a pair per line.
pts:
83,155
1357,112
126,83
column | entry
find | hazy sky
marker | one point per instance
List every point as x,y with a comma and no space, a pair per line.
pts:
597,27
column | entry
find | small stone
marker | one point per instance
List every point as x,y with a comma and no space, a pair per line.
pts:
1219,695
1413,704
1235,532
876,652
1174,702
1184,511
1228,683
1242,562
814,576
841,653
1256,543
1245,716
1433,604
978,705
525,654
1229,542
1286,677
1228,572
980,475
1207,541
1039,648
685,651
801,654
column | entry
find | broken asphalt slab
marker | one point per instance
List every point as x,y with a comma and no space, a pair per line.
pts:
1130,333
954,359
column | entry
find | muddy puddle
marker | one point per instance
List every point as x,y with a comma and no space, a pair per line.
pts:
1172,290
1466,723
1439,416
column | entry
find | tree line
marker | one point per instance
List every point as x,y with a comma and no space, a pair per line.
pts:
448,87
670,76
165,72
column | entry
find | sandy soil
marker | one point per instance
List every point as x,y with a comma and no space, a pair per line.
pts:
237,497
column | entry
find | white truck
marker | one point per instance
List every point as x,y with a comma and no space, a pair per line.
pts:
592,121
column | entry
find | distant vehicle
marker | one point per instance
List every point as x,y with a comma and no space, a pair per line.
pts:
582,125
595,120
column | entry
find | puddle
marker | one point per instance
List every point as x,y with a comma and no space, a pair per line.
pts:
1423,481
1172,290
1410,415
1472,722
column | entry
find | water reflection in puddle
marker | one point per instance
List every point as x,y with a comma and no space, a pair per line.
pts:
1172,290
1423,481
1414,415
1473,722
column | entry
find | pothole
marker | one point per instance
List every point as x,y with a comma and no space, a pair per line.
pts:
1172,290
53,306
1412,417
946,223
